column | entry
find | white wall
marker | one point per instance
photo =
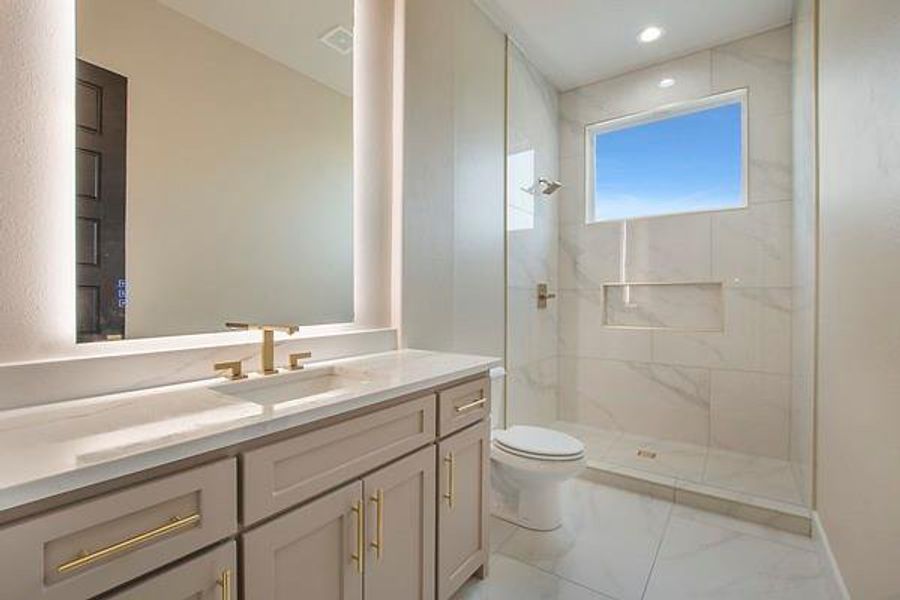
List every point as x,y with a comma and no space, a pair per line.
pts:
37,179
728,389
239,176
37,273
858,402
453,123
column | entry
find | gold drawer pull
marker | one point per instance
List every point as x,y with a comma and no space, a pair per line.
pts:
85,558
360,556
450,460
378,542
471,405
225,582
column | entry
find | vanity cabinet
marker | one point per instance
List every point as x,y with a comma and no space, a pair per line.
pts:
400,524
310,552
386,503
462,549
210,576
85,549
371,538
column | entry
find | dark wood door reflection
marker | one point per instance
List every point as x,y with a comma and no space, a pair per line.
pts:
101,114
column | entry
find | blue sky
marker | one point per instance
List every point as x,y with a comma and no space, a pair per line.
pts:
684,163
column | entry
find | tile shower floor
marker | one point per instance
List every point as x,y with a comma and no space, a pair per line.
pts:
617,545
678,463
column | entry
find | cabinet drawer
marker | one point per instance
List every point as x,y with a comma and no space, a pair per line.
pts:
82,550
284,474
464,404
210,576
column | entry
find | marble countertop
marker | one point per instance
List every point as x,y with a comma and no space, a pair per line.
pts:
56,448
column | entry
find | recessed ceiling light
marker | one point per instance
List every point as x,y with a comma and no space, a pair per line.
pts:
666,82
650,34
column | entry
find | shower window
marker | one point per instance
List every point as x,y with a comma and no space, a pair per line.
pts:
679,159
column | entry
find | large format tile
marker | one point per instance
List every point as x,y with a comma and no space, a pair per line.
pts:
749,412
674,248
644,398
597,442
680,306
532,392
673,459
756,475
770,177
582,333
511,580
761,63
702,559
589,255
752,247
570,203
607,541
532,331
757,335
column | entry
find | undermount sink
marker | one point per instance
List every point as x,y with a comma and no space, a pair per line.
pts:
290,387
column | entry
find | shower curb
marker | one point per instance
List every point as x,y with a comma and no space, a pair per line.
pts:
778,515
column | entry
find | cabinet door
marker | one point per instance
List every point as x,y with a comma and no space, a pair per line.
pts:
401,523
210,576
315,551
462,507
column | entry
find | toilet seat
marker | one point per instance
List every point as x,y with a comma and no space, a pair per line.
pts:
538,443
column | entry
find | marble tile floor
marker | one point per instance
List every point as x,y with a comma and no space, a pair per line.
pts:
617,545
744,474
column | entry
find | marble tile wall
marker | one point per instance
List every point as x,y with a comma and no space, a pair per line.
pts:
531,357
729,389
691,307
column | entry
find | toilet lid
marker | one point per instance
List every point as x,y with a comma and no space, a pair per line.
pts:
539,442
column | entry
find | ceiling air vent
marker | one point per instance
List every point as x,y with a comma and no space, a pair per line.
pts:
339,39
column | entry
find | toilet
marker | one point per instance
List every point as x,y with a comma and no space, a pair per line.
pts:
529,466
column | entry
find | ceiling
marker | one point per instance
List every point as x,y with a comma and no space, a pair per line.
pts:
576,42
287,31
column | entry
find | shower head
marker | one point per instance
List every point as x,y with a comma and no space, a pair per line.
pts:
548,187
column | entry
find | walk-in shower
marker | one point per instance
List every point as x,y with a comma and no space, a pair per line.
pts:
671,348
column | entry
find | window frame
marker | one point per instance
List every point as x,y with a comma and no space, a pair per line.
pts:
661,113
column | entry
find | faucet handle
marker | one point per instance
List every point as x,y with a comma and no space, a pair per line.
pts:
234,368
295,358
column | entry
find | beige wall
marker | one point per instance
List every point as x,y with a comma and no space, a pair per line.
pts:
239,200
453,200
858,403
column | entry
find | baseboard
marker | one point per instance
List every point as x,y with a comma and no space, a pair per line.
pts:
821,539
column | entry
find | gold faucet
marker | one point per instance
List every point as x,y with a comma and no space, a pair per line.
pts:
267,354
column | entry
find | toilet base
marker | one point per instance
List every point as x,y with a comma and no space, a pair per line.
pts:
534,507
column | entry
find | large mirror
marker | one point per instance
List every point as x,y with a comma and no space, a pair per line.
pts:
213,165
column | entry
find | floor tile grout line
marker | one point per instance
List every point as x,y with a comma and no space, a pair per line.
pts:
662,539
553,574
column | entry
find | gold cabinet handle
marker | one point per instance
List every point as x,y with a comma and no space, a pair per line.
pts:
85,558
450,461
234,368
471,405
225,583
359,557
378,543
295,360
